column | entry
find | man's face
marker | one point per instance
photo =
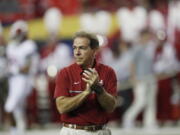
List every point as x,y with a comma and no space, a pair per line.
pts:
83,54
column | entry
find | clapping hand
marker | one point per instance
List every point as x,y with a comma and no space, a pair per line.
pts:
90,76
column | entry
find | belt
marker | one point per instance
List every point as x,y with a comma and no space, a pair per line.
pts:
88,128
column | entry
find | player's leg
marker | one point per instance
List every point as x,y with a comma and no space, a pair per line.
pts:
19,112
150,110
10,104
137,105
15,97
19,116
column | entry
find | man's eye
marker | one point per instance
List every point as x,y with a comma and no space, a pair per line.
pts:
84,48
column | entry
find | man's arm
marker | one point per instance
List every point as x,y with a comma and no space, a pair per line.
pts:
107,101
66,104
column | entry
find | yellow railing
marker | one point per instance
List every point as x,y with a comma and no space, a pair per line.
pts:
69,25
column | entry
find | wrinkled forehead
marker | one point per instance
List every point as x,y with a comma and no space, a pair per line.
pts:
81,41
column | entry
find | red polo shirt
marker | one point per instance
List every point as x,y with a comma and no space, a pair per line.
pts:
69,83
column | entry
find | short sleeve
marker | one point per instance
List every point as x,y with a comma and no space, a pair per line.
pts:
61,88
111,86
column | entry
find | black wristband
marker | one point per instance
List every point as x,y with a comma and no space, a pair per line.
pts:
97,88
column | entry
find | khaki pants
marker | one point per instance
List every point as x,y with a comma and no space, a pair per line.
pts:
70,131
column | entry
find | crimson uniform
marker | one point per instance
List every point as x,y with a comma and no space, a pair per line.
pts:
69,83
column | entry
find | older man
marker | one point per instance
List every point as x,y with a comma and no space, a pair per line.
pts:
86,90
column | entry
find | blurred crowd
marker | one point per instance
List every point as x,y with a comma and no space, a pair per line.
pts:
144,52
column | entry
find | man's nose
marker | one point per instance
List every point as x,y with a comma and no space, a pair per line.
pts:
78,52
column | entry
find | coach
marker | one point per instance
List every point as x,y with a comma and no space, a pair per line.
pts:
86,90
